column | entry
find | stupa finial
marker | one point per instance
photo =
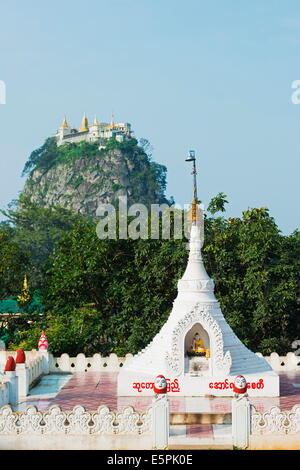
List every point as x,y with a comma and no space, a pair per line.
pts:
84,124
64,123
192,158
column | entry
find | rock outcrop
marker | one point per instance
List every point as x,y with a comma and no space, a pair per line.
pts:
96,176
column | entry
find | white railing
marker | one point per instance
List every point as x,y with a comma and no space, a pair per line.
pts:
34,363
4,393
101,429
78,421
35,369
81,363
19,381
272,429
39,363
112,363
290,362
275,421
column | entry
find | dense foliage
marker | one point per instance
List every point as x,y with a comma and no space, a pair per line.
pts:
256,271
28,238
114,295
49,154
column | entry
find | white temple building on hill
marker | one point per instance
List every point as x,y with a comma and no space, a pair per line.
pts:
94,132
196,350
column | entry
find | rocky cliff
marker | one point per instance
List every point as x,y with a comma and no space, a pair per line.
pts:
80,176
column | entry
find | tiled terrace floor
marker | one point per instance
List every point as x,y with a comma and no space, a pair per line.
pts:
201,434
92,389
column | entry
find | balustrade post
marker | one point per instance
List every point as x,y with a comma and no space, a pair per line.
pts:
43,351
12,381
45,362
241,414
23,379
241,420
160,415
22,373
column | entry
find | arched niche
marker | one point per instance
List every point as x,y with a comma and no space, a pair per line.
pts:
196,328
176,357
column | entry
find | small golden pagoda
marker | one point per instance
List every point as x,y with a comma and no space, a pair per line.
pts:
84,124
64,123
112,122
95,122
25,296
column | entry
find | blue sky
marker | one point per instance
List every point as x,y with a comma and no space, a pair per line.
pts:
213,76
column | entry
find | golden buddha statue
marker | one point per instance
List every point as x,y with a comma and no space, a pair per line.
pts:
197,348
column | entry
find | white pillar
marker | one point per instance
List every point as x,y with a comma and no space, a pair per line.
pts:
240,422
160,422
45,356
12,380
23,379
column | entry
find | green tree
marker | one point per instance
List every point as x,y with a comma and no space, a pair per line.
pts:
256,278
43,157
129,286
114,295
217,204
15,263
35,231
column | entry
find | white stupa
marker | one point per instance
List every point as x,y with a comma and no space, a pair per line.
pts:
196,350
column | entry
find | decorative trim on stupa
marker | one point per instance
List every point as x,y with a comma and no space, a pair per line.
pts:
199,314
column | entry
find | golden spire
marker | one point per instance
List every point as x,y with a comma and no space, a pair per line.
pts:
25,283
64,123
194,208
112,122
95,123
84,124
25,295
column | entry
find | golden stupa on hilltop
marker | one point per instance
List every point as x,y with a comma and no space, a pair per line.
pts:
84,124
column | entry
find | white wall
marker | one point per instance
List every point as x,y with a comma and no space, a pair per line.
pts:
81,363
4,393
290,362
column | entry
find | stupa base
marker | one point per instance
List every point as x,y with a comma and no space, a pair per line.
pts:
261,384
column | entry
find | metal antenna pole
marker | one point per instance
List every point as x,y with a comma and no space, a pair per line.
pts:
192,158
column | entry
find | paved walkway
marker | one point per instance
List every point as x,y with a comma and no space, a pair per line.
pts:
92,389
201,435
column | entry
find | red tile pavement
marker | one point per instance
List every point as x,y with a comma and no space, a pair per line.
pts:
93,389
196,430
